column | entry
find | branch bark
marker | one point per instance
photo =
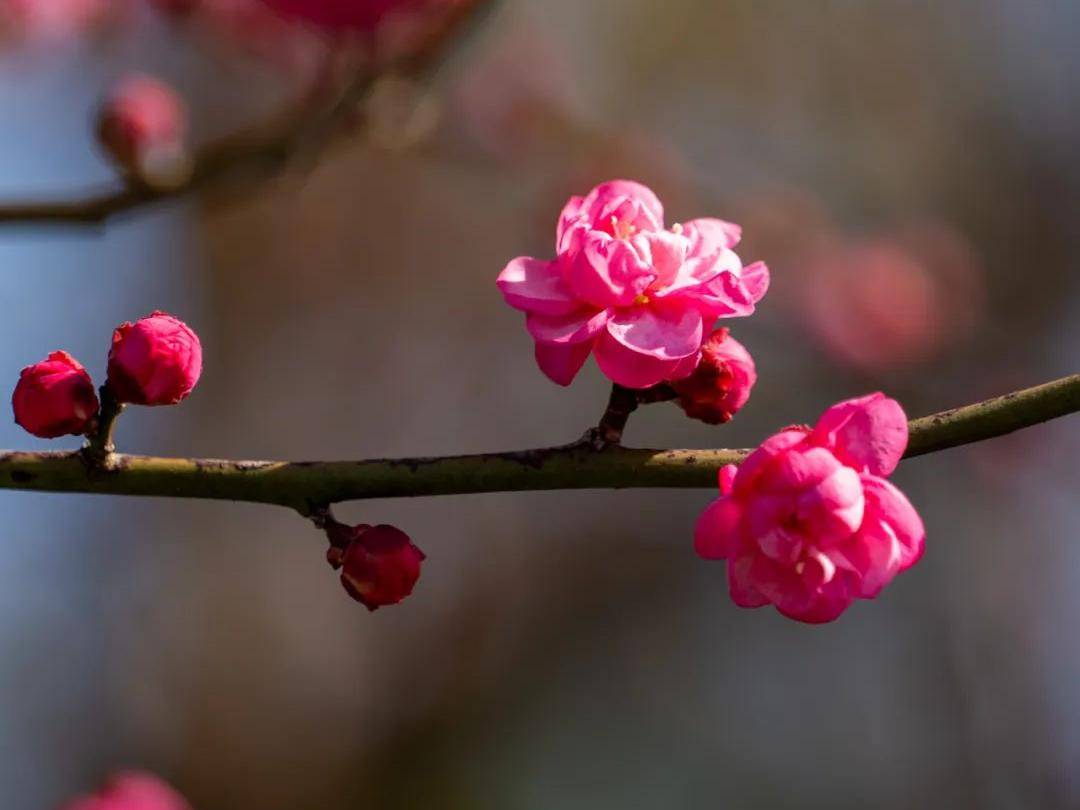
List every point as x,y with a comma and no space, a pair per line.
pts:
309,486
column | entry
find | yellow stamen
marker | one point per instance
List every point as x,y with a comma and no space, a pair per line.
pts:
622,230
641,300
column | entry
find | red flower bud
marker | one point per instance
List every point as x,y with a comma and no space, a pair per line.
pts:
143,125
154,361
721,383
55,397
131,791
380,566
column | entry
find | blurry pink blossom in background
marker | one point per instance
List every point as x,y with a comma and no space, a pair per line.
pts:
143,124
640,297
808,522
348,15
897,298
51,20
249,27
894,300
131,791
518,95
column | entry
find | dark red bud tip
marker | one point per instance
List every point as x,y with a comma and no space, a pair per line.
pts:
721,384
380,566
155,361
55,397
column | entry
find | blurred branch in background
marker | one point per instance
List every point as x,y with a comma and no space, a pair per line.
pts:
306,486
328,110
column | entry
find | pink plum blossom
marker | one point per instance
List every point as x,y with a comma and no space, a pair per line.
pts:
52,20
808,522
640,297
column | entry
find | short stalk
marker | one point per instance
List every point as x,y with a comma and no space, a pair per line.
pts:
100,444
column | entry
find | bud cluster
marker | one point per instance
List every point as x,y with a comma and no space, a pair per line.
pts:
155,361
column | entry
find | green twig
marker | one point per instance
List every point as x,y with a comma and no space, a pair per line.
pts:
308,486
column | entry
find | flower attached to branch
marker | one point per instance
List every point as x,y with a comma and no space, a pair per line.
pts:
721,383
808,522
379,565
55,397
155,361
641,298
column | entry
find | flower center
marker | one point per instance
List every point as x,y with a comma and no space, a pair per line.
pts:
621,229
641,300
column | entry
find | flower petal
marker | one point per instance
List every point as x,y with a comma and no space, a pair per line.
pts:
826,605
755,279
887,504
570,215
603,201
716,535
564,329
727,478
632,369
769,449
868,433
740,587
668,251
707,235
664,333
561,363
533,285
607,272
723,297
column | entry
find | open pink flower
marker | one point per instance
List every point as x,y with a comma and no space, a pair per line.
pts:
640,297
808,522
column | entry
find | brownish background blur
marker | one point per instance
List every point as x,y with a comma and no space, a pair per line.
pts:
909,171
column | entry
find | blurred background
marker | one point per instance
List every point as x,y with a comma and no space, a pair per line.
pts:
908,170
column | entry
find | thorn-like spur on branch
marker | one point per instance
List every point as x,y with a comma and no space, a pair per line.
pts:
309,486
261,151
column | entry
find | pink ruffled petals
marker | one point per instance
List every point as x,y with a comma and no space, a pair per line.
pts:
805,525
576,327
660,288
609,272
708,235
644,346
619,198
869,433
716,536
533,285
